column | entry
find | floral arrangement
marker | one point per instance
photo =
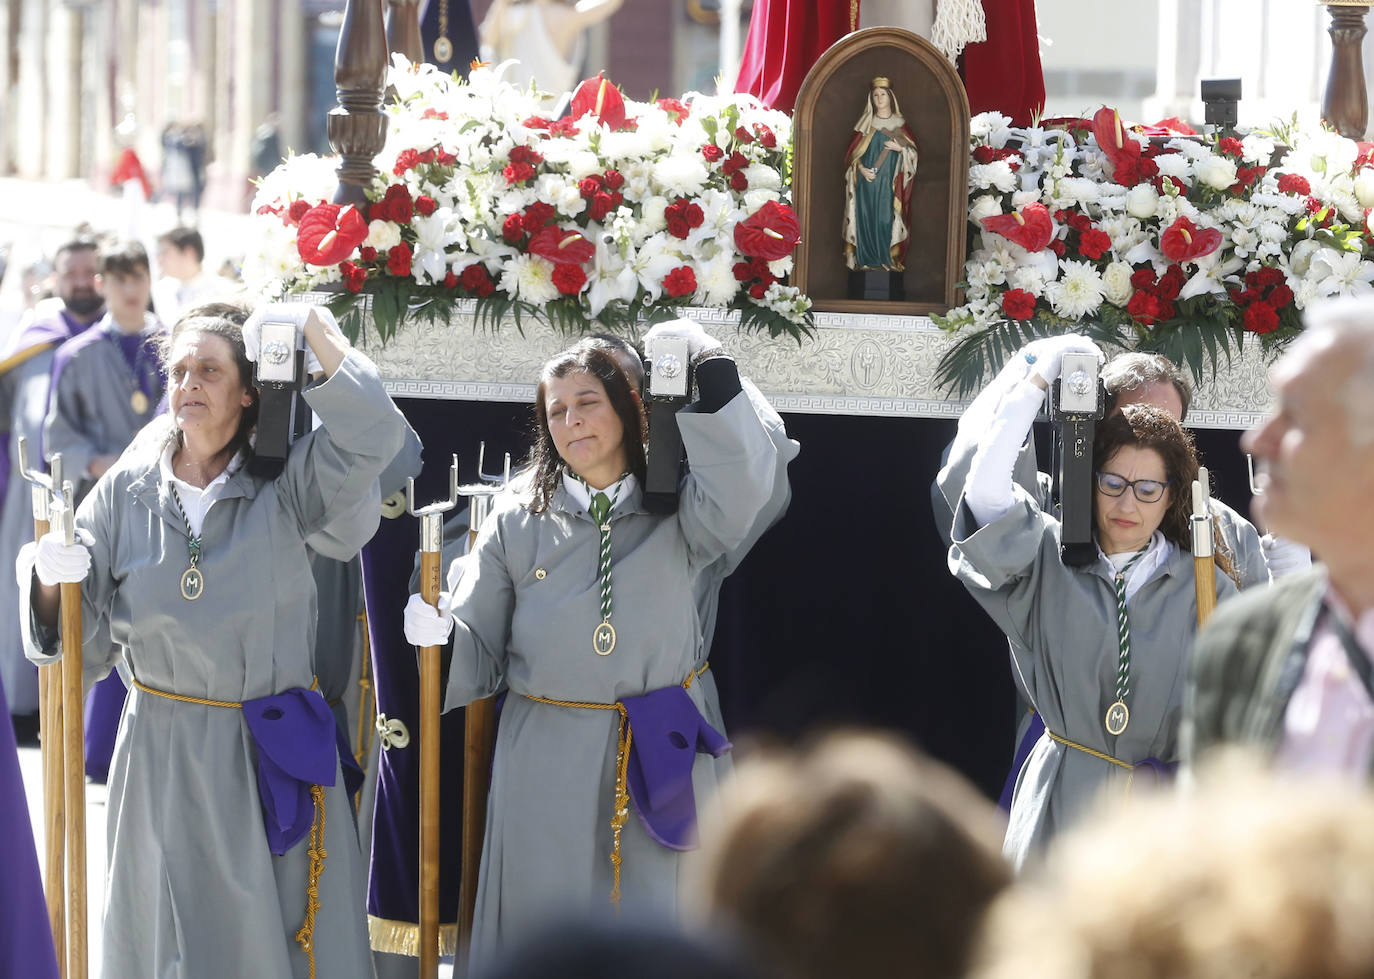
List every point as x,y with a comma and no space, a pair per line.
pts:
618,213
1154,238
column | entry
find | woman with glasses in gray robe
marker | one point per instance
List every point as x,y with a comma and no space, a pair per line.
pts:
1100,650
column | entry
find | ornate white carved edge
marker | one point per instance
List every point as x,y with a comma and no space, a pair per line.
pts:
857,364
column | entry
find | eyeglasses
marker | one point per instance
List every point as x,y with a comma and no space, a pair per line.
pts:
1145,490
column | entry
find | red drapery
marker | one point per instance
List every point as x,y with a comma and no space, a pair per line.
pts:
786,37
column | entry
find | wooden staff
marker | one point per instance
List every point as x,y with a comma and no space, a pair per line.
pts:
431,553
1204,569
63,513
50,728
479,728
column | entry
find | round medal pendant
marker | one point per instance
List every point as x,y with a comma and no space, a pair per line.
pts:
192,584
1118,716
603,639
443,49
138,401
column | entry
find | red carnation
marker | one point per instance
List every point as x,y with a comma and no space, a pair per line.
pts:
405,160
353,276
398,260
742,135
766,137
537,215
589,187
613,179
513,229
743,271
525,154
681,281
298,210
569,279
712,152
516,173
475,279
426,205
395,205
1280,296
1261,318
602,204
674,108
738,181
450,280
1230,146
758,290
1018,304
1170,283
1093,243
737,162
1145,308
1143,278
367,253
677,226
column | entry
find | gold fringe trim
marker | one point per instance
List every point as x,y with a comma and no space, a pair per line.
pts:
403,937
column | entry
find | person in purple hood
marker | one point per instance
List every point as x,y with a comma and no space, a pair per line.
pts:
580,603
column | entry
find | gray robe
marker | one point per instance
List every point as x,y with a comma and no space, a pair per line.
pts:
193,890
1061,623
24,395
526,603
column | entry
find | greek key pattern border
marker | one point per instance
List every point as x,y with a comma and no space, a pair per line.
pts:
856,364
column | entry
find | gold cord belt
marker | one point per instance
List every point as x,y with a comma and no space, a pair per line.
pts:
306,936
1089,751
620,810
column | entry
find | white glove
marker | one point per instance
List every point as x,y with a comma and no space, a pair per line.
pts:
296,313
1284,557
1046,356
424,624
690,330
59,563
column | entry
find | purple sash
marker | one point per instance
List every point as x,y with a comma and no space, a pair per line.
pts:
668,732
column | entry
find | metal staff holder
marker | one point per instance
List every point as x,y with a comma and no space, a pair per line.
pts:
431,555
1204,570
479,721
43,486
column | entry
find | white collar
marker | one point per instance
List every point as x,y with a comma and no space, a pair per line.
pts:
1158,553
618,491
165,465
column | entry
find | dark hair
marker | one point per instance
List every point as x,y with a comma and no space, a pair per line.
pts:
123,258
182,239
224,320
79,244
1144,426
854,857
1135,370
592,357
614,345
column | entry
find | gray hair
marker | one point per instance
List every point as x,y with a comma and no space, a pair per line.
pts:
1349,317
1136,370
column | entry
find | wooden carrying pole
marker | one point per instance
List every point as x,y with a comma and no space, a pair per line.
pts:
479,729
1204,568
50,729
73,759
431,702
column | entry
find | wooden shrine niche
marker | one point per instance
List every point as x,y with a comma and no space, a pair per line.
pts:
931,99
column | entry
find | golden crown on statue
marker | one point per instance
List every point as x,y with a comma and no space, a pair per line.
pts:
882,81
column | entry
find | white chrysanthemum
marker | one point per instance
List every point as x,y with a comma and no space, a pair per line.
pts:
680,176
273,262
638,178
1028,278
760,175
997,174
781,266
1217,172
1027,195
754,198
307,177
529,278
1078,292
1116,283
514,199
651,215
716,283
1076,190
625,145
382,235
1175,165
984,206
1256,149
584,164
1188,148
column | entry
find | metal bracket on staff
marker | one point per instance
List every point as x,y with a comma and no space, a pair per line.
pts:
1204,569
44,486
479,722
431,702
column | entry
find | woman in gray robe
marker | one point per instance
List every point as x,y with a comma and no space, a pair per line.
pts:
1111,707
225,775
532,617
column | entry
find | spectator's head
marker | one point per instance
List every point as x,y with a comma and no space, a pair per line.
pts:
74,268
180,253
856,857
1144,378
1247,876
125,283
1317,448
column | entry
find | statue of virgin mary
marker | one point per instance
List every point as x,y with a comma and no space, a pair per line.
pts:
880,170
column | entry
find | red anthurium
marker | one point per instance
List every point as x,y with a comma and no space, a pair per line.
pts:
1184,241
600,98
1112,137
1031,227
329,233
770,233
562,246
